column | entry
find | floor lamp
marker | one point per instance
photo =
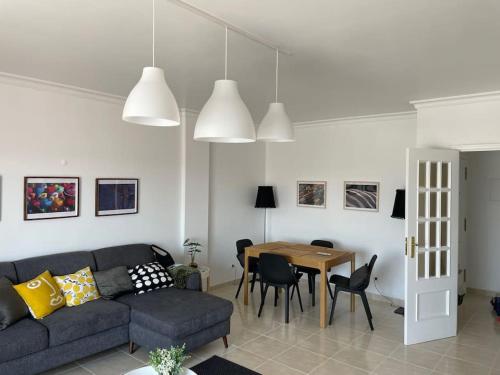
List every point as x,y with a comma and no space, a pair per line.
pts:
265,200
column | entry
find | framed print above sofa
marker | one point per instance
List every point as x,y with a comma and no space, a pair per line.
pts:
116,196
51,197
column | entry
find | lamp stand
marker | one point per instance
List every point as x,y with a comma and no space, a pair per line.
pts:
265,226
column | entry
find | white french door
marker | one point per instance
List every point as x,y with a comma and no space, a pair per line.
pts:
431,253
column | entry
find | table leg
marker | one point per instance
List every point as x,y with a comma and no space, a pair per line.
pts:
245,280
323,303
353,268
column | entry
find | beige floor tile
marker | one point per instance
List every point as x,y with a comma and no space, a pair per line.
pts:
437,346
331,367
477,355
359,358
193,361
391,366
416,357
241,337
116,363
468,339
244,358
97,356
70,369
288,334
340,333
375,344
454,366
214,348
321,345
265,347
306,324
271,367
300,359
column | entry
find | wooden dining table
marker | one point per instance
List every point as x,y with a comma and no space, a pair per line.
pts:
321,258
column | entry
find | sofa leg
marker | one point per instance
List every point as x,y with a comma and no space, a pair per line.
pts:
224,338
131,347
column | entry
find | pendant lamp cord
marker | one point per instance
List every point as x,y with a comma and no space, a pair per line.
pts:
225,58
277,73
154,32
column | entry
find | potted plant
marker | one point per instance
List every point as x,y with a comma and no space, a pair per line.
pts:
193,249
168,361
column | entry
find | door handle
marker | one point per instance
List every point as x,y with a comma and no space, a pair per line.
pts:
412,247
406,246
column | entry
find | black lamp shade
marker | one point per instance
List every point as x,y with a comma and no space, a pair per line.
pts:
398,212
265,197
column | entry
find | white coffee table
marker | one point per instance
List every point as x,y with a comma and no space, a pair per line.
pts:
148,370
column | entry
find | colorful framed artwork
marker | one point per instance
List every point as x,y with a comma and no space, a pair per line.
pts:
311,194
116,196
51,197
362,196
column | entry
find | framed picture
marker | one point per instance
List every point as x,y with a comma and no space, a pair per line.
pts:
361,196
311,194
116,196
51,197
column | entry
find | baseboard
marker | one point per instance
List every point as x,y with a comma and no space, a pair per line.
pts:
222,285
482,292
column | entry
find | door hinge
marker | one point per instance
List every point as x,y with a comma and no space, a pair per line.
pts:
465,224
406,246
465,174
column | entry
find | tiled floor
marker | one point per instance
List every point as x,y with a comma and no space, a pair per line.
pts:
348,347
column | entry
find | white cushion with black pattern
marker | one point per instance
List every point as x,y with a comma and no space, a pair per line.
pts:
150,276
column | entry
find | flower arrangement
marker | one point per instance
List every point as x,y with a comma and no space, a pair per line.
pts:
193,249
168,361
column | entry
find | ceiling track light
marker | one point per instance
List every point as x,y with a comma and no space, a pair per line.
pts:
225,118
151,101
276,125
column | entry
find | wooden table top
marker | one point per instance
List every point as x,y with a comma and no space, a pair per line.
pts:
303,255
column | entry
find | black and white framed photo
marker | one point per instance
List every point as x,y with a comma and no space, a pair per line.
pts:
51,197
311,194
362,196
116,196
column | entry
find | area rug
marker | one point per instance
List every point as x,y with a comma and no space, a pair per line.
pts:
220,366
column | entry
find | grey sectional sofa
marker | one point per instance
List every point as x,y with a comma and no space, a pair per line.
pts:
157,319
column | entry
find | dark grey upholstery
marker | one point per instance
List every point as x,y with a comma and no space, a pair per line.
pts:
71,323
8,270
177,313
125,255
22,338
57,264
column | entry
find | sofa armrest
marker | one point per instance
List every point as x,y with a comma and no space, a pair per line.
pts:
193,281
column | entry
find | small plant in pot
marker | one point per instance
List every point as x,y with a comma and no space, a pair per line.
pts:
168,361
193,249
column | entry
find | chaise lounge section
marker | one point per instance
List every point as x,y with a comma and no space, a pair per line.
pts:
160,318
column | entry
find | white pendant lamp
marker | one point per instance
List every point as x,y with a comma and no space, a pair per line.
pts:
151,102
276,125
225,118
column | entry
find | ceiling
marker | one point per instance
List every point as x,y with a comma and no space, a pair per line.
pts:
350,57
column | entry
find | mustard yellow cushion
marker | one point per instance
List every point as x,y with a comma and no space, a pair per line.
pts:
78,287
42,295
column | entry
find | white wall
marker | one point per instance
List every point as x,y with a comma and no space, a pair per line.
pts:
483,236
235,172
40,126
365,149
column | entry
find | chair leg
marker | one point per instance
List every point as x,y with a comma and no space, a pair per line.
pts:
313,288
367,308
300,299
309,284
254,277
224,338
287,304
275,296
241,283
131,347
334,301
262,299
293,291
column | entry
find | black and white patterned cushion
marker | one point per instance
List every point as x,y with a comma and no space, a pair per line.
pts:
148,277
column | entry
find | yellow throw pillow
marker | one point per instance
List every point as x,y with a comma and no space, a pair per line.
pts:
42,295
78,287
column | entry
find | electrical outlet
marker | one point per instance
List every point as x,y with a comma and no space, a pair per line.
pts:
375,278
232,265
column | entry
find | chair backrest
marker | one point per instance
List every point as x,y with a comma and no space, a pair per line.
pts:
241,244
360,279
274,268
322,243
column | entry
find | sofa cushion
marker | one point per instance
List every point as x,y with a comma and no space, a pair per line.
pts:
12,306
57,264
150,276
8,270
113,282
177,313
71,323
22,338
126,255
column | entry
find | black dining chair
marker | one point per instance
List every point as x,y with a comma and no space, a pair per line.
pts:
312,272
356,284
275,271
253,266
